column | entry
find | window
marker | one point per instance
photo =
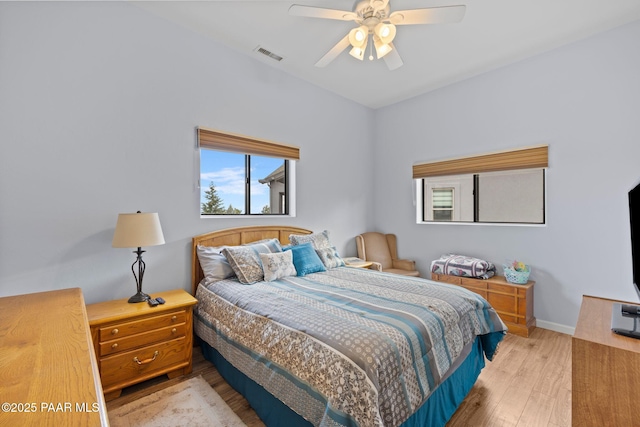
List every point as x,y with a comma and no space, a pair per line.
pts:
245,176
442,204
505,187
511,196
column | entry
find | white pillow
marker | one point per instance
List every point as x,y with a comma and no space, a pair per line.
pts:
277,265
214,265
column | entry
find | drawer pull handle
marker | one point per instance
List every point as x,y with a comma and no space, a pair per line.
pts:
144,362
114,345
114,331
173,331
173,319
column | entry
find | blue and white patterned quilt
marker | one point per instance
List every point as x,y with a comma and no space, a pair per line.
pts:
347,346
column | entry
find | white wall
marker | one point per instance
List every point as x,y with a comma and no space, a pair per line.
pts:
584,101
98,107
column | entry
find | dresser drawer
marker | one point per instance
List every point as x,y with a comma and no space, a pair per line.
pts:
512,302
151,361
454,280
474,285
125,329
139,340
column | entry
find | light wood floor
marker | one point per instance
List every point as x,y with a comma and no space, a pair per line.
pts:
527,384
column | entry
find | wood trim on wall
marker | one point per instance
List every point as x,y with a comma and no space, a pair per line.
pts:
225,141
524,158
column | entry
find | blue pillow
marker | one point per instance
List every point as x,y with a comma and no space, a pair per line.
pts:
305,259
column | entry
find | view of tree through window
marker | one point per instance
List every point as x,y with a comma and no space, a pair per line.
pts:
239,184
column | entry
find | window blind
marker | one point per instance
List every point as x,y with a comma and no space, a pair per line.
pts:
218,140
524,158
443,198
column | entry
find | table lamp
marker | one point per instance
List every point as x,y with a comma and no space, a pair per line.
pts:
135,230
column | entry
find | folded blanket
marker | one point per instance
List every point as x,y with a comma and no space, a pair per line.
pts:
460,265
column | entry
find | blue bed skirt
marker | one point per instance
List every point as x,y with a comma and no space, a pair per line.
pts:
436,411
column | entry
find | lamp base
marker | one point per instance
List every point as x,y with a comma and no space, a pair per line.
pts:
139,297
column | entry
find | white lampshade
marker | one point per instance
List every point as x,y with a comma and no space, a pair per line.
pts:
381,48
134,230
385,32
358,36
357,52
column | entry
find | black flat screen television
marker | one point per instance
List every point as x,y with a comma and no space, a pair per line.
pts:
625,318
634,217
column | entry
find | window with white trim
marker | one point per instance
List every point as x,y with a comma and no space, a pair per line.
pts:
507,187
245,176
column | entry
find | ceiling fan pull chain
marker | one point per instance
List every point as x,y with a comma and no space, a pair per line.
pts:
371,49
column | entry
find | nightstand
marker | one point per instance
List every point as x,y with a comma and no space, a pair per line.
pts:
135,342
357,262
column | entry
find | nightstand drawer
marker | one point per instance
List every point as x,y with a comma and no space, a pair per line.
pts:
126,329
144,362
122,331
133,341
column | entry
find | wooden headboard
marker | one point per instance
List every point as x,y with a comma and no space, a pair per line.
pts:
234,237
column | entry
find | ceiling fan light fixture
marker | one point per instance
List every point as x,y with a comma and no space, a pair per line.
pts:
358,51
358,36
385,32
381,48
375,19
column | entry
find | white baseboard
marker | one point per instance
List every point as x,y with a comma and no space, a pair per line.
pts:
563,329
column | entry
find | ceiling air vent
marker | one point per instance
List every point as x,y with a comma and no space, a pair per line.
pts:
267,53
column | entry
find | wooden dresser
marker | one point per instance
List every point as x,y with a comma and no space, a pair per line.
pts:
514,303
605,369
48,371
135,342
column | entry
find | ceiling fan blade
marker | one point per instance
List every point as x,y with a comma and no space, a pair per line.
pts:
319,12
431,15
334,52
392,59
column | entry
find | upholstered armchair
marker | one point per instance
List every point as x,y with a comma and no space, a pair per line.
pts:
382,249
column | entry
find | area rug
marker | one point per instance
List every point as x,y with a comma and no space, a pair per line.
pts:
189,403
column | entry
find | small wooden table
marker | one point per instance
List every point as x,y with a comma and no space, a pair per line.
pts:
48,372
605,369
357,262
135,342
514,303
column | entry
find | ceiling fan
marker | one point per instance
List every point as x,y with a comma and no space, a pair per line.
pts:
375,22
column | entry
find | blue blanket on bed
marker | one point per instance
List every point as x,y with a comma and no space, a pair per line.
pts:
347,346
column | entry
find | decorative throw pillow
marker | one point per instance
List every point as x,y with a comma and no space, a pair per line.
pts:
245,262
330,257
277,265
305,259
318,240
266,245
214,265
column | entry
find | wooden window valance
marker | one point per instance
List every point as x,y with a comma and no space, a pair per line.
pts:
524,158
218,140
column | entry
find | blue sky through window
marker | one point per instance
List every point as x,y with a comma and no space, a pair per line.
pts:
226,171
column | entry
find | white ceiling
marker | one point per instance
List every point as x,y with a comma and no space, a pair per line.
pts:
493,33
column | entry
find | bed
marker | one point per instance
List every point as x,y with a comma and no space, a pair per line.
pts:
340,347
